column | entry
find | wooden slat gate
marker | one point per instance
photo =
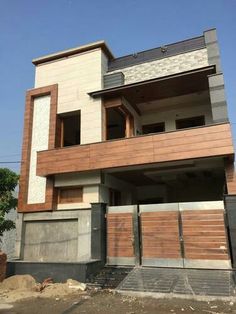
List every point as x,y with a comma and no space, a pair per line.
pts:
120,235
191,235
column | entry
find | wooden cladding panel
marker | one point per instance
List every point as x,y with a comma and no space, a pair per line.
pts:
120,235
160,235
50,202
230,177
204,235
215,140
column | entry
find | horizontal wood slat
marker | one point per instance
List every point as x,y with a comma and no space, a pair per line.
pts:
120,235
160,235
204,235
214,140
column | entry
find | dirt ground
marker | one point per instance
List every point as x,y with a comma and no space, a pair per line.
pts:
23,295
105,302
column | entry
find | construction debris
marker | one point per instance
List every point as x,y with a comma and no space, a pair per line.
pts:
25,286
73,284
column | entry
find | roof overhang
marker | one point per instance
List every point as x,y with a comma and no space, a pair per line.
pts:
162,87
70,52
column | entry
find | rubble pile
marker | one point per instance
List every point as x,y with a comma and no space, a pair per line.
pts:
25,286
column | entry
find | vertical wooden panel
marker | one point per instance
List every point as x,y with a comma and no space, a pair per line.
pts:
230,175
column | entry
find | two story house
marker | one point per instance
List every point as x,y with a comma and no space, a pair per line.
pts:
127,161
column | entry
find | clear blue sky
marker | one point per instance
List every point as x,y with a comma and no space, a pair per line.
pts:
30,28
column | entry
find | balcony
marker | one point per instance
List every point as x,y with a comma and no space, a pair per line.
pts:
199,142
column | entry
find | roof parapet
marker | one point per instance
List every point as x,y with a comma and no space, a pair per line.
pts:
73,51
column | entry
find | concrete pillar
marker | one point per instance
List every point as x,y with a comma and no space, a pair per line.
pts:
216,81
230,206
98,231
212,48
218,99
19,235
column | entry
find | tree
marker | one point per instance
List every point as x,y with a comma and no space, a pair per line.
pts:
8,183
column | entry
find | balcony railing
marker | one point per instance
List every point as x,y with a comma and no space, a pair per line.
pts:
199,142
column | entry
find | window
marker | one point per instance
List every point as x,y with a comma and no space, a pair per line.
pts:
70,195
154,128
119,123
190,122
115,123
70,129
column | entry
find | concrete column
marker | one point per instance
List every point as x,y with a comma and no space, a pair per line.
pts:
19,235
216,81
98,231
212,48
218,99
230,206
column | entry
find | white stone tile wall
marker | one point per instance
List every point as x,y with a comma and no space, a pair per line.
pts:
76,76
40,134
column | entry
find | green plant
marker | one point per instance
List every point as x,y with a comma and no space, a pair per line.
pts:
8,183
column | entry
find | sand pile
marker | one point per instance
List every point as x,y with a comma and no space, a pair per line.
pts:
18,282
25,286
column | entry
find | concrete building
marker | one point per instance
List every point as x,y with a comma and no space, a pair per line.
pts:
127,161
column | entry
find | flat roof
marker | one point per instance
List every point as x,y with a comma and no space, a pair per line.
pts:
70,52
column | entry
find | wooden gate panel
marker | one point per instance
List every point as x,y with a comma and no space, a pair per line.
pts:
204,235
120,249
160,235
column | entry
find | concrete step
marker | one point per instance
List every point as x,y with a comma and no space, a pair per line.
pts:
109,277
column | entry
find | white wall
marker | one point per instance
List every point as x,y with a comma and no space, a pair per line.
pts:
76,76
171,109
73,179
40,135
89,181
90,195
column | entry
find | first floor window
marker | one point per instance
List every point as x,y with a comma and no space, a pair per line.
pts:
70,195
70,128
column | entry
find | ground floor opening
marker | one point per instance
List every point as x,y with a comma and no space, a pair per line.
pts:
183,181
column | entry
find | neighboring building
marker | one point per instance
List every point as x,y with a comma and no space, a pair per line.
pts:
9,237
147,134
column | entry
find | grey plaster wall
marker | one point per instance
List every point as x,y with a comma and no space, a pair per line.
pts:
46,240
218,98
59,236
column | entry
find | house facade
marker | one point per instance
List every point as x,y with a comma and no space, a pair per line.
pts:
128,160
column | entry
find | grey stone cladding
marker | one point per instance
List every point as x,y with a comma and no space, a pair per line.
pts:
166,66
